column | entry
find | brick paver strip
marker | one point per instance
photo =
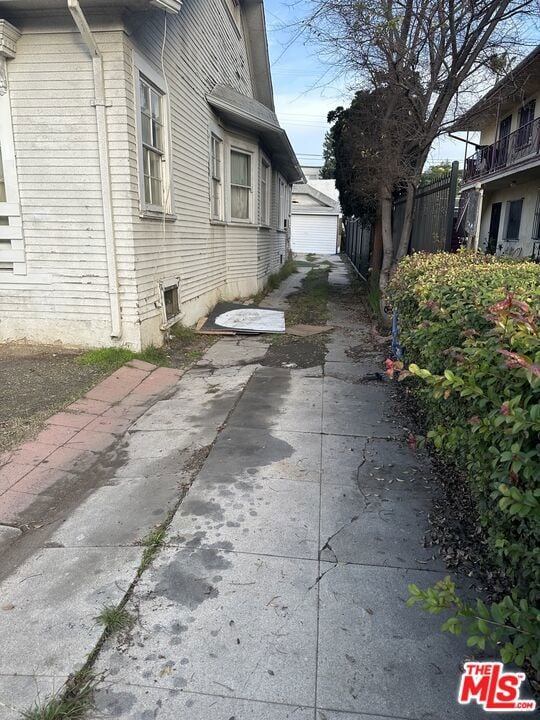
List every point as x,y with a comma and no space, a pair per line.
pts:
11,474
86,405
141,365
41,478
91,440
118,385
32,452
56,434
72,439
106,424
13,505
72,420
70,458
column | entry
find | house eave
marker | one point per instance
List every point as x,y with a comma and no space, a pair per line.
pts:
251,115
44,6
515,87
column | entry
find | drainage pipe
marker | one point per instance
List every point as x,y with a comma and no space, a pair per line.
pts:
100,104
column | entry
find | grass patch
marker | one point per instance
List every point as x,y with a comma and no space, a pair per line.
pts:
181,332
72,703
311,257
114,618
275,280
152,543
310,305
112,358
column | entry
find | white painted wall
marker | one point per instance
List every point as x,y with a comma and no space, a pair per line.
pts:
314,233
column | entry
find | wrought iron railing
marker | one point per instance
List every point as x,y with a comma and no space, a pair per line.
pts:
517,147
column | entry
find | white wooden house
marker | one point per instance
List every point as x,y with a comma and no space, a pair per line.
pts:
144,174
501,182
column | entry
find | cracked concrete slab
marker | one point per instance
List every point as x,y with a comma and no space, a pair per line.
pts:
220,622
376,653
376,528
274,517
341,458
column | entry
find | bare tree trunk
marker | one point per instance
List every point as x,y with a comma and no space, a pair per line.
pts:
377,251
385,202
403,247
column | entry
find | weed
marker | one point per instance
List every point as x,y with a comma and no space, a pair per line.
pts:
311,257
113,618
112,358
192,355
72,703
275,280
181,332
152,543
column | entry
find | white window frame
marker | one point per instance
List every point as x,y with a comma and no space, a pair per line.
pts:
163,287
145,72
216,137
240,146
283,205
11,235
266,192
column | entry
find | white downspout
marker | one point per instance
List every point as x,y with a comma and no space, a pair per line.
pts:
104,163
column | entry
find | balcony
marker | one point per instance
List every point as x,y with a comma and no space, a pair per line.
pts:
518,148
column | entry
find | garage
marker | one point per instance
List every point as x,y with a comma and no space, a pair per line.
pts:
314,233
315,218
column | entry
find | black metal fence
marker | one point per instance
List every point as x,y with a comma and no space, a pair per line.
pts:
357,243
434,211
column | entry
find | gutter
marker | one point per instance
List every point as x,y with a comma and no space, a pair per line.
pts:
101,105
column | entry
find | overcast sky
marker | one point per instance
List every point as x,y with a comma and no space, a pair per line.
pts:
306,90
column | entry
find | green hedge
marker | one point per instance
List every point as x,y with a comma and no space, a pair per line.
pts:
471,336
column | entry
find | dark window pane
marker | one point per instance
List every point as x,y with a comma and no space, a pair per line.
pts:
514,219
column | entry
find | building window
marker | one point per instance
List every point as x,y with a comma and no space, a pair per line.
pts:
216,172
265,193
170,301
240,185
154,185
283,197
513,220
525,129
536,220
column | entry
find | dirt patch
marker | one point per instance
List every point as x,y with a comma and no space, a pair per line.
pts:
186,350
301,352
36,383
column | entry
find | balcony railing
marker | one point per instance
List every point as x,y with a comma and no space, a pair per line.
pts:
518,147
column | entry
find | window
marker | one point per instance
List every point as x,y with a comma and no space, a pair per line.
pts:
513,220
283,196
170,301
216,175
536,220
526,117
240,185
265,193
153,146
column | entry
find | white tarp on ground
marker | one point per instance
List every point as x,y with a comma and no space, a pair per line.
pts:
254,320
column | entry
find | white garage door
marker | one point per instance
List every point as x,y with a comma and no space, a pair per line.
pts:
314,234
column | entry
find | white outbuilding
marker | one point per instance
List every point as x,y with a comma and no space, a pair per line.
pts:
315,218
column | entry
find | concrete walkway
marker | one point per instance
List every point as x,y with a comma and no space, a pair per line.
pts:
280,592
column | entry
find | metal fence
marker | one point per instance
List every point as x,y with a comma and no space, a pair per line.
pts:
434,211
357,243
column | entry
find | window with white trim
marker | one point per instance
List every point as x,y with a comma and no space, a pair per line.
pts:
264,190
283,204
153,145
216,176
241,185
